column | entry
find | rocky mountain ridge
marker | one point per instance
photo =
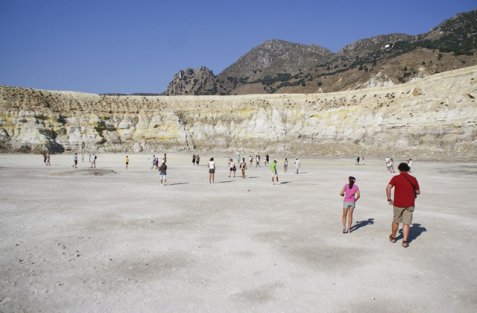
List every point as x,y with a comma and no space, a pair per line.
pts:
283,67
199,81
415,119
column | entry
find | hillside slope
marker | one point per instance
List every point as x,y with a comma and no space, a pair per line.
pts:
282,67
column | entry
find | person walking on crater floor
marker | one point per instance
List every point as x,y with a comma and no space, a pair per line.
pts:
93,160
389,164
156,163
273,169
297,166
75,160
232,167
243,167
163,173
211,171
351,194
406,189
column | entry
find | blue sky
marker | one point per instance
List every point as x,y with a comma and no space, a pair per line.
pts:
102,46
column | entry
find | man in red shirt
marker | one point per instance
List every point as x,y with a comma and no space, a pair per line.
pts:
406,189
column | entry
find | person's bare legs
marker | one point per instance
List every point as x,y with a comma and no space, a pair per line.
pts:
405,232
350,218
343,219
394,229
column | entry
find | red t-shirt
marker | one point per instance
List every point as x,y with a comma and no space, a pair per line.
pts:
403,190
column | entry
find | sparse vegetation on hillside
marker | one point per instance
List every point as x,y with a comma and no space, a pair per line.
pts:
277,64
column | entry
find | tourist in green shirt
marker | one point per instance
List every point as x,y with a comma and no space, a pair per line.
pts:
273,168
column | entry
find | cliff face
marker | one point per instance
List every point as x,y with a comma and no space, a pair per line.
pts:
199,81
431,118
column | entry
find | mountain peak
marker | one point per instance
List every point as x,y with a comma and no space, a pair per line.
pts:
279,66
276,56
193,81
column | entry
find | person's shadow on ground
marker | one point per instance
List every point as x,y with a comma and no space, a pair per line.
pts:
360,224
415,231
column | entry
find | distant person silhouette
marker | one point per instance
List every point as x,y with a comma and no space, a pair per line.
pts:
211,171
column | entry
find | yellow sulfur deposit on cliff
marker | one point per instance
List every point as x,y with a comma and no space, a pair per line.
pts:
434,117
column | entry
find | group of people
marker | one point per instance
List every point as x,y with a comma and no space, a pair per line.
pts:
155,161
233,167
258,159
406,189
162,168
297,165
195,159
243,164
92,159
390,164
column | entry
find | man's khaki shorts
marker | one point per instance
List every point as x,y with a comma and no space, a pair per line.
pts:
403,215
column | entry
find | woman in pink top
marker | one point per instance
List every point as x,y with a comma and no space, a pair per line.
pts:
351,195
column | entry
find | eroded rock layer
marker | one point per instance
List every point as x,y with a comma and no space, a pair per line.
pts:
431,118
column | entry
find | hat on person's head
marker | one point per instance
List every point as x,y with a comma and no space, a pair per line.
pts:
352,177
